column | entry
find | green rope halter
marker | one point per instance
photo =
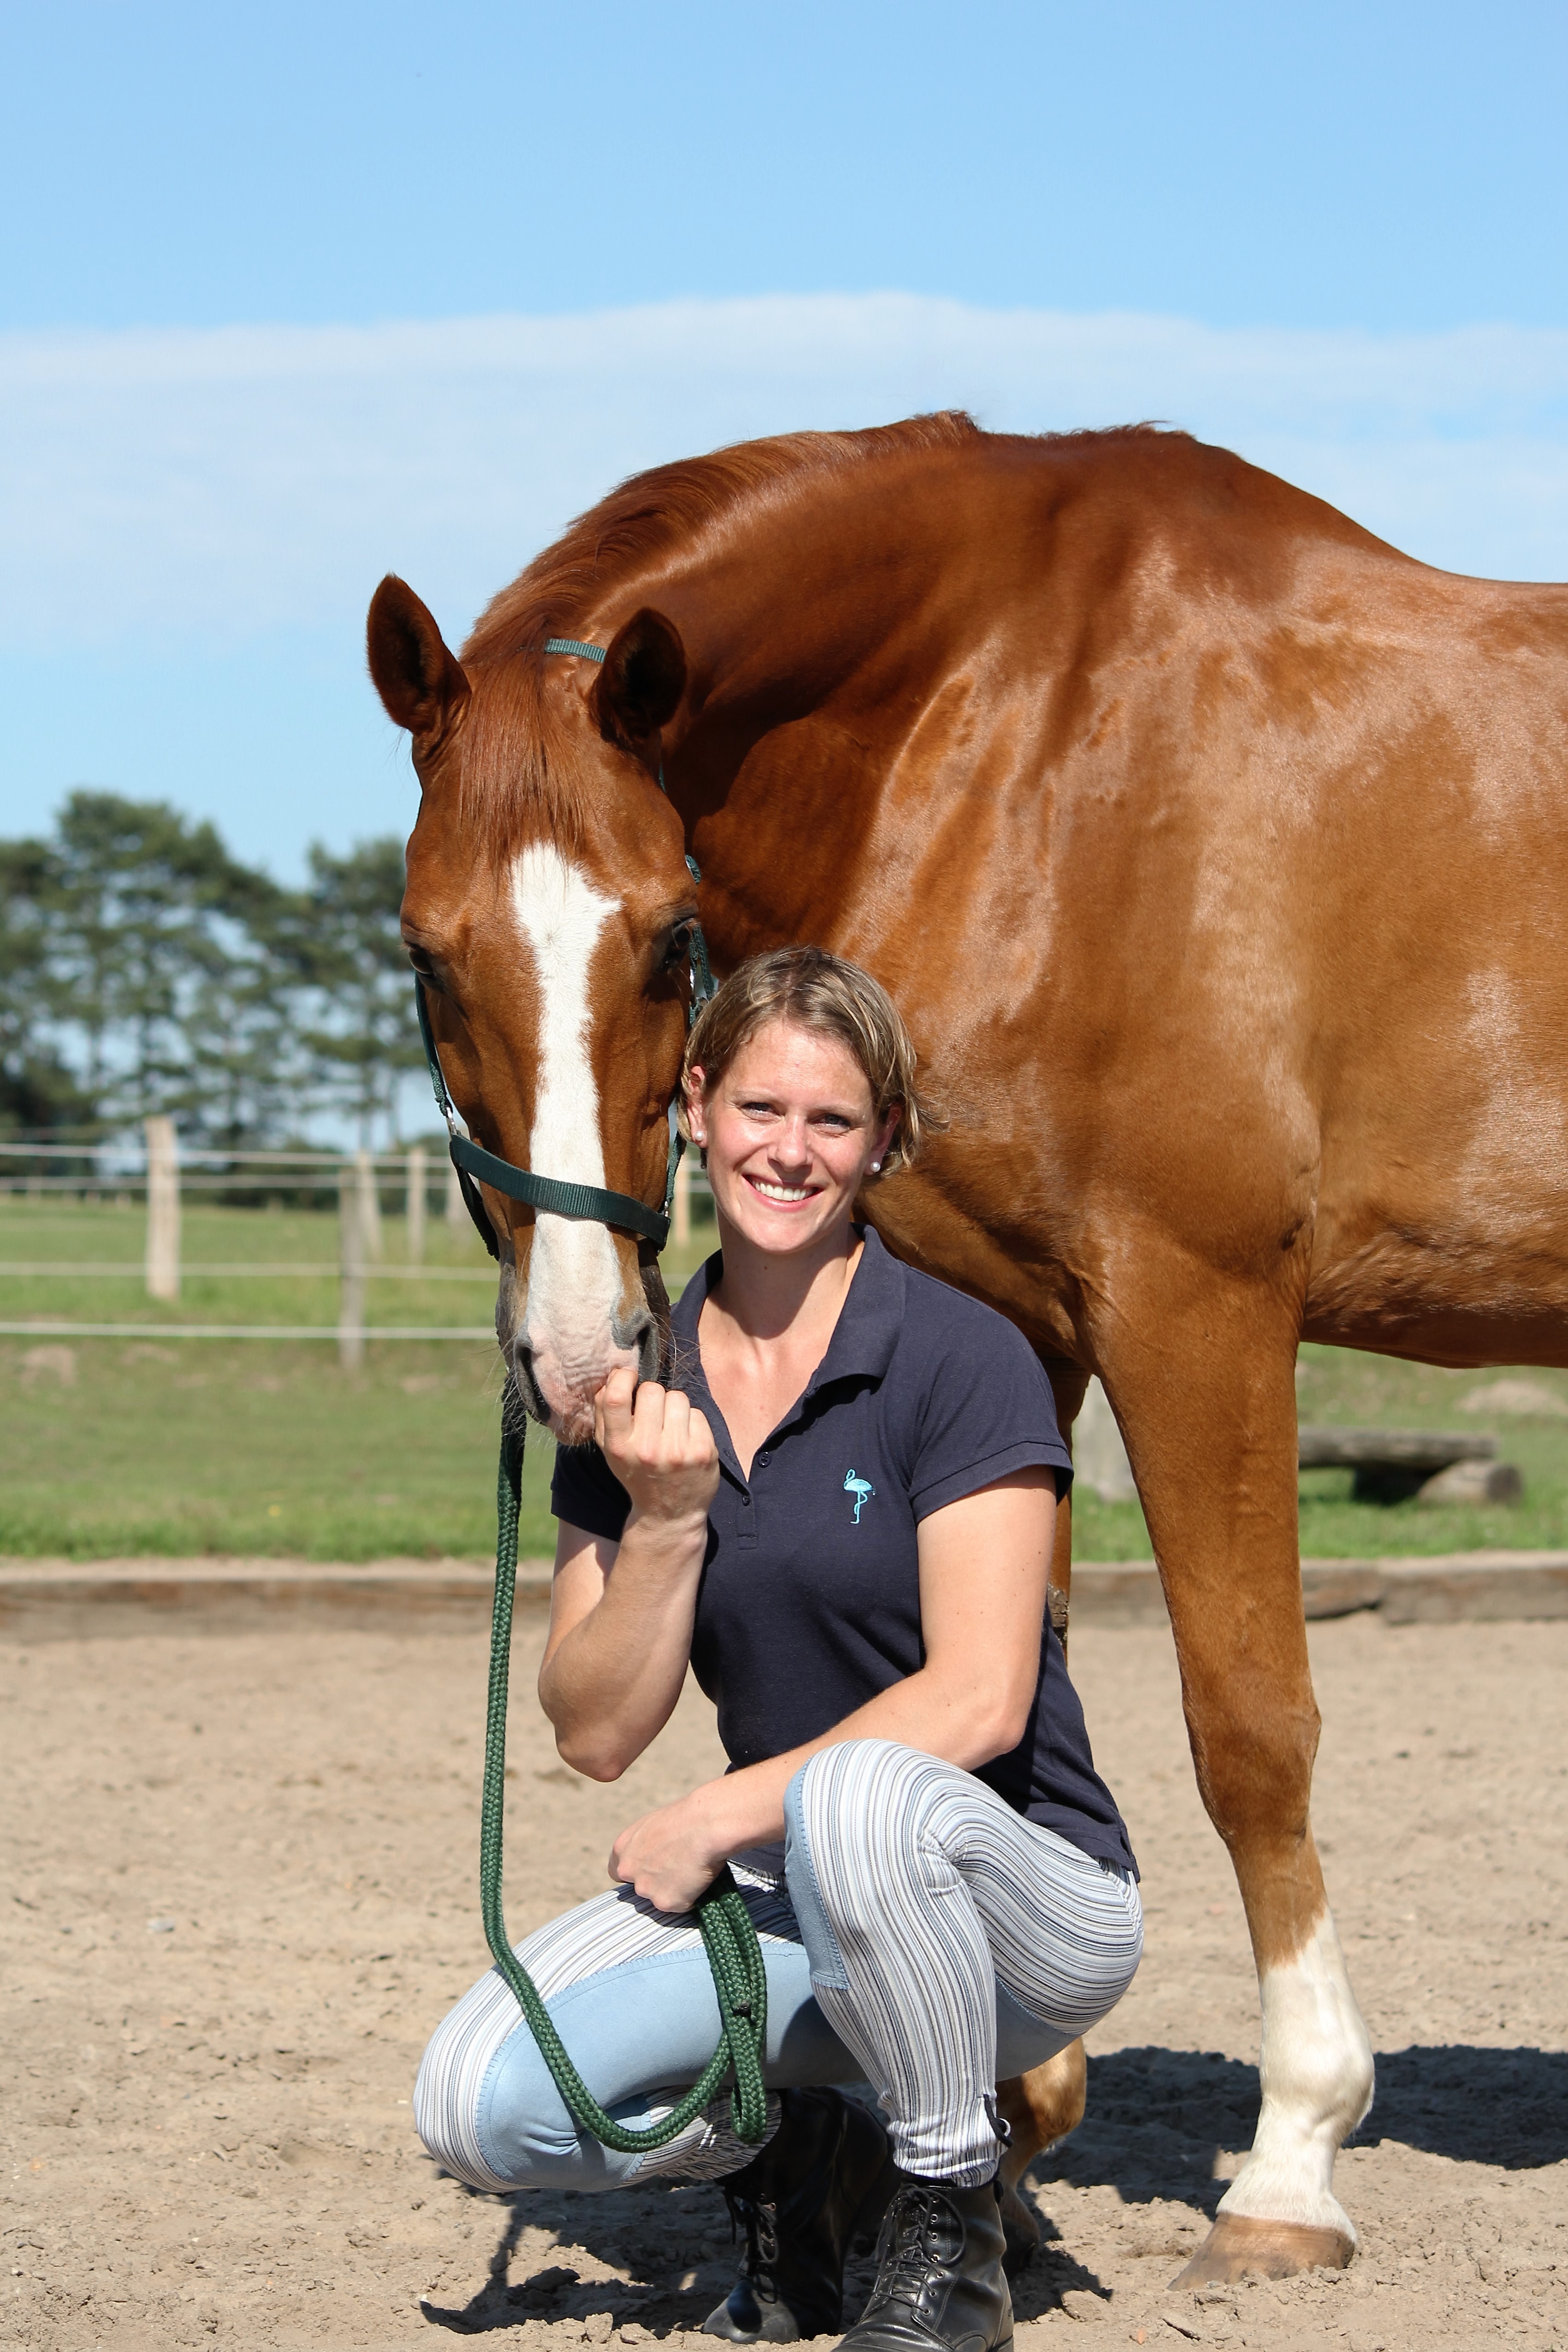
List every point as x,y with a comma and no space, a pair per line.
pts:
734,1953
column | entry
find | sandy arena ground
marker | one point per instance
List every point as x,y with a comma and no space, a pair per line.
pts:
242,1891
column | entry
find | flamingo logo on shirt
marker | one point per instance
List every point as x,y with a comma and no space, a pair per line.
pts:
861,1489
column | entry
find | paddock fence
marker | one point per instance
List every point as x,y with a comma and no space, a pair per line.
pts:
162,1174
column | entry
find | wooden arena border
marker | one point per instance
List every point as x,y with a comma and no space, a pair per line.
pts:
45,1599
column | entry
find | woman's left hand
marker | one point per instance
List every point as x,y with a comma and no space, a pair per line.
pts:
671,1856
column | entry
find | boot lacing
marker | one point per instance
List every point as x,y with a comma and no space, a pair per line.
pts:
911,2256
759,2219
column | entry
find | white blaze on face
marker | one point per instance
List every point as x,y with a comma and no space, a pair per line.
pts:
1316,2076
574,1280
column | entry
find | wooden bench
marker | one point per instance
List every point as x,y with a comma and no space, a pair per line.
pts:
1391,1465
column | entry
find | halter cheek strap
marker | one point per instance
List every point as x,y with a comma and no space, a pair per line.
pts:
593,1202
588,1200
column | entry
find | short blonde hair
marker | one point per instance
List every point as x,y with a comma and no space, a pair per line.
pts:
829,997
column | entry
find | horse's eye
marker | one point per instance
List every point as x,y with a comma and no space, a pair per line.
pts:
420,958
679,951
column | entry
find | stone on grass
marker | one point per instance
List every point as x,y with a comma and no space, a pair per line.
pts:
1525,1400
1471,1483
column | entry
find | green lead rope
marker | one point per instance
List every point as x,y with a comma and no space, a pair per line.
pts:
730,1939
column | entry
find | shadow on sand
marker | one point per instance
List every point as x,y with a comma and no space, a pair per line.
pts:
1156,2123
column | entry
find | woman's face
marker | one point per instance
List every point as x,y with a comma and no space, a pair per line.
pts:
789,1138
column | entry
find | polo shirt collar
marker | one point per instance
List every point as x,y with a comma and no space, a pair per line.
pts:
864,1335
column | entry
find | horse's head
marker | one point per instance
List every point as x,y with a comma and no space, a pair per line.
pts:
547,912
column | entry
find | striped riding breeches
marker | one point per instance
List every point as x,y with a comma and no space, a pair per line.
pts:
918,1936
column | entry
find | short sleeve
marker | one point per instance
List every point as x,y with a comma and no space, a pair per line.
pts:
586,1493
988,1411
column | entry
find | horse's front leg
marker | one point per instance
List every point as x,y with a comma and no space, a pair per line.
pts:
1201,1372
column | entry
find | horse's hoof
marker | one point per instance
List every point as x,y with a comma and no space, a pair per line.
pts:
1238,2245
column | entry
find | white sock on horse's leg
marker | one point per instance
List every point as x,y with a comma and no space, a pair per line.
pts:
1316,2074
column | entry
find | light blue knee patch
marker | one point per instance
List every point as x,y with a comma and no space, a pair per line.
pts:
805,1894
632,2032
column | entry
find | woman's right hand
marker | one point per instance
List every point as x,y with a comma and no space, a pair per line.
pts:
659,1448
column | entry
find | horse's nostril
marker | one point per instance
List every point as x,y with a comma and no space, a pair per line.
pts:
526,1383
640,1333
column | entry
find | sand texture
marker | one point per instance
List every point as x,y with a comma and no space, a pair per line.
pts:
207,2127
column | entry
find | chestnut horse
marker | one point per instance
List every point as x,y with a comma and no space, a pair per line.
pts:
1217,855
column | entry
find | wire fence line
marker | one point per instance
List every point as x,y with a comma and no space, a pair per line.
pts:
190,1158
212,1174
158,1331
166,1175
59,1269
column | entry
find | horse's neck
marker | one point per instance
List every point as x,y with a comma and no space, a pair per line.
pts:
817,666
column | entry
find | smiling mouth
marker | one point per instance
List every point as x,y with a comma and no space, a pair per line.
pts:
791,1195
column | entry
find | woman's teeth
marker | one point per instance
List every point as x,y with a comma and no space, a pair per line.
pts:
781,1191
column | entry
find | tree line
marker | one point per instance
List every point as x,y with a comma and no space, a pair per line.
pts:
145,969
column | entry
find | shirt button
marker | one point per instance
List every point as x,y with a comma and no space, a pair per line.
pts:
745,1502
765,1459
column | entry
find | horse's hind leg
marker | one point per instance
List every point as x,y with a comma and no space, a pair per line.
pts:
1040,2108
1043,2106
1201,1370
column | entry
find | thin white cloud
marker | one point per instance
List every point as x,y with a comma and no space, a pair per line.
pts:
199,487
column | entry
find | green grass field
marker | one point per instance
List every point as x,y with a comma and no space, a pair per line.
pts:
146,1444
149,1444
1337,1385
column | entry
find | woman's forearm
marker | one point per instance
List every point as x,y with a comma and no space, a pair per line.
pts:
610,1685
984,1564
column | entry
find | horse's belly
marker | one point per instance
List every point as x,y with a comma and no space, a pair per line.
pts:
1452,1264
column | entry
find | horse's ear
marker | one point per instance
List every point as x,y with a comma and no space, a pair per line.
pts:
642,679
420,683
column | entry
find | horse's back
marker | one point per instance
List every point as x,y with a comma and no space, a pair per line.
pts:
1293,824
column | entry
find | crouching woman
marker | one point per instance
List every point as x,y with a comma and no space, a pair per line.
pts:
837,1512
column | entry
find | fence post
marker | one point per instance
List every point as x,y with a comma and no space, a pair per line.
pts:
162,1210
351,1268
681,1225
370,1207
413,1206
456,1215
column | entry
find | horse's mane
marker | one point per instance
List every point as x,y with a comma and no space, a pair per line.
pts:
506,766
654,510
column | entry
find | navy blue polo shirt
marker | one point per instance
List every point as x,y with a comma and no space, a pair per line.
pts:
809,1600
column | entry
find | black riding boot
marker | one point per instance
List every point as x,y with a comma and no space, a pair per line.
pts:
940,2285
824,2177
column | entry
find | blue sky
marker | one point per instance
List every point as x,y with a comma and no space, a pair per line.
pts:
291,296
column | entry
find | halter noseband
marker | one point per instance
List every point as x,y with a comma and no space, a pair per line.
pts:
591,1202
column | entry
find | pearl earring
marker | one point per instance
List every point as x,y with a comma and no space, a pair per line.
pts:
876,1167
